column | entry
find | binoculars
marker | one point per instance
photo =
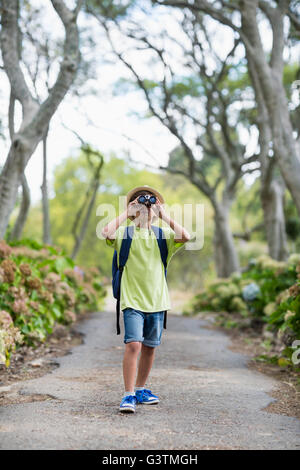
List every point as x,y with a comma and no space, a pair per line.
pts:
147,199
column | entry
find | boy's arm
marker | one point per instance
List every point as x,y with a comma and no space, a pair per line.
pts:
181,234
110,229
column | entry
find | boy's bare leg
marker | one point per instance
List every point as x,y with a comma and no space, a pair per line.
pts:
145,365
131,353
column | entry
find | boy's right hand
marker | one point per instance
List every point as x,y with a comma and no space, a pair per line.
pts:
133,207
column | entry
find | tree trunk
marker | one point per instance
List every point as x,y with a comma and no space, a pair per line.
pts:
45,200
23,212
79,238
272,187
270,77
10,179
89,201
35,116
286,149
226,258
272,198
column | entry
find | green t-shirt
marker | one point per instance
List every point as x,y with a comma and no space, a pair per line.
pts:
144,285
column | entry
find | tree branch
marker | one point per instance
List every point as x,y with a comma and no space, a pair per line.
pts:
247,234
275,17
295,20
11,60
68,67
11,115
206,7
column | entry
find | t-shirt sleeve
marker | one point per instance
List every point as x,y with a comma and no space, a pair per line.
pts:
111,243
173,247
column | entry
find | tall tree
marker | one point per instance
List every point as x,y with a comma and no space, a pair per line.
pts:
17,230
272,185
41,52
95,162
243,17
47,239
35,117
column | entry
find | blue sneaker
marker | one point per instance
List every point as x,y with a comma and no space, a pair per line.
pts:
146,397
128,404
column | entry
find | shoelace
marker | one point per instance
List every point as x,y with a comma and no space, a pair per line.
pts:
148,392
130,399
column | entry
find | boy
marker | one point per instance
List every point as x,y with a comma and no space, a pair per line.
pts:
144,290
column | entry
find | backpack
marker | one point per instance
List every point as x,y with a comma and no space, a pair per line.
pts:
117,270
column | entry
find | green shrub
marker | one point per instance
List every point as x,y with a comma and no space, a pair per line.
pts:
277,298
39,287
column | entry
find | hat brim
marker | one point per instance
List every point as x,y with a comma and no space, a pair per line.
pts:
144,188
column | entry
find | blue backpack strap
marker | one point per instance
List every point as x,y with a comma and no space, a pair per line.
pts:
163,248
123,256
125,247
162,244
120,261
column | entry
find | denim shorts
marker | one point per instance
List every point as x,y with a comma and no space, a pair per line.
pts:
143,327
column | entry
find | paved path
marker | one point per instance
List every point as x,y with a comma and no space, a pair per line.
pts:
209,399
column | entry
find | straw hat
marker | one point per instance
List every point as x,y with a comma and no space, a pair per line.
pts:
144,188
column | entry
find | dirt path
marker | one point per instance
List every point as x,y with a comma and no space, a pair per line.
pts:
209,398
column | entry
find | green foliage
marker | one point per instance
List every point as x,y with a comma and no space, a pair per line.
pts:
292,227
221,295
278,301
109,9
292,221
30,243
236,79
265,358
287,314
186,86
290,75
40,287
150,84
